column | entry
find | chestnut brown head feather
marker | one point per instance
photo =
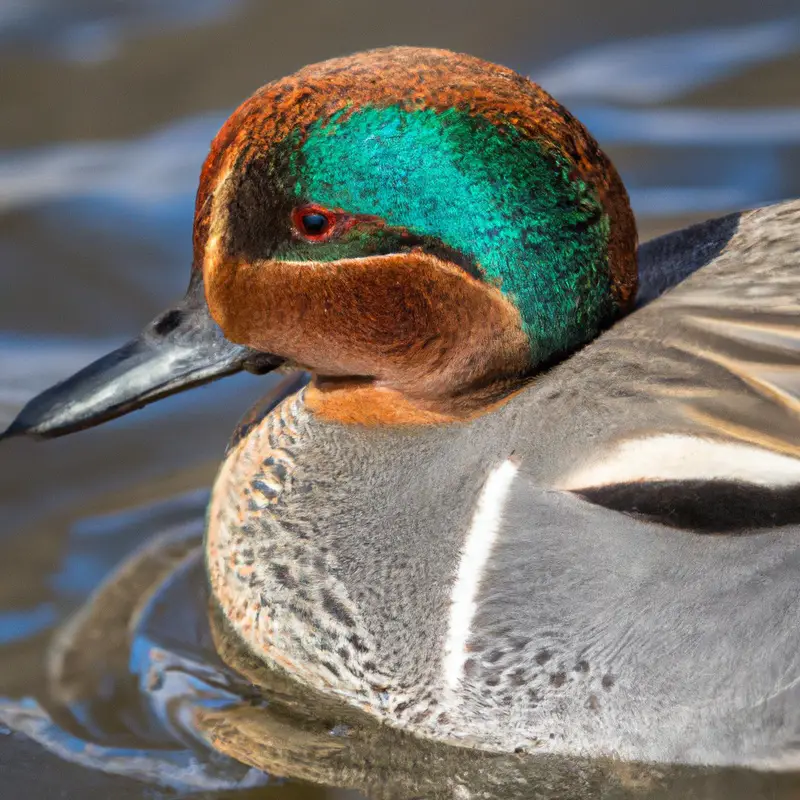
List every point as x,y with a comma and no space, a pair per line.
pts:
473,231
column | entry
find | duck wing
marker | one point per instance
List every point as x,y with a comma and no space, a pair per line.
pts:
688,410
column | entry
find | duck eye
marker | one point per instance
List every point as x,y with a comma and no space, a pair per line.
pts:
313,223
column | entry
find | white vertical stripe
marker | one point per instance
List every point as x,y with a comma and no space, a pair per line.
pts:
474,555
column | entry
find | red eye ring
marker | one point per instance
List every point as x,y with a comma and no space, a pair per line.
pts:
314,223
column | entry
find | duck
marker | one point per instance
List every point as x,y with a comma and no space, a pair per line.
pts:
526,487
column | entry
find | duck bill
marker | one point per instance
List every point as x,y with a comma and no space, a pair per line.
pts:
180,349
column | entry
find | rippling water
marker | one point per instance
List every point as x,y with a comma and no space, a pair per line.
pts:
107,114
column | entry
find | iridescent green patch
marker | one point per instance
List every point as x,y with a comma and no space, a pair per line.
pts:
509,204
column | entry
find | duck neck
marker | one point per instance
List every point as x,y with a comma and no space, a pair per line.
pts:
366,403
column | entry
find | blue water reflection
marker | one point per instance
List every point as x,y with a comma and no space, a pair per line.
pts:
87,31
16,625
656,69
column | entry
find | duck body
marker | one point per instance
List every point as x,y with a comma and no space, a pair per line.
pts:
441,576
505,512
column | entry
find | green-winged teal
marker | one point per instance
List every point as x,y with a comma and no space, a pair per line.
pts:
505,511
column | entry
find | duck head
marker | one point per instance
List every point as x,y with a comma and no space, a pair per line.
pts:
419,225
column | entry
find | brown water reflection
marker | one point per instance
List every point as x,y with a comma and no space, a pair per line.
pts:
107,112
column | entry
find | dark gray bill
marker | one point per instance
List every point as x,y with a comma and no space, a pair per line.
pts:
180,349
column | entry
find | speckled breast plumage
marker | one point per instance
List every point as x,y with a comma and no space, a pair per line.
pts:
273,580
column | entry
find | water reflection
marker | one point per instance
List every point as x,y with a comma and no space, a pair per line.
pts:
15,625
156,173
90,31
656,69
132,682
